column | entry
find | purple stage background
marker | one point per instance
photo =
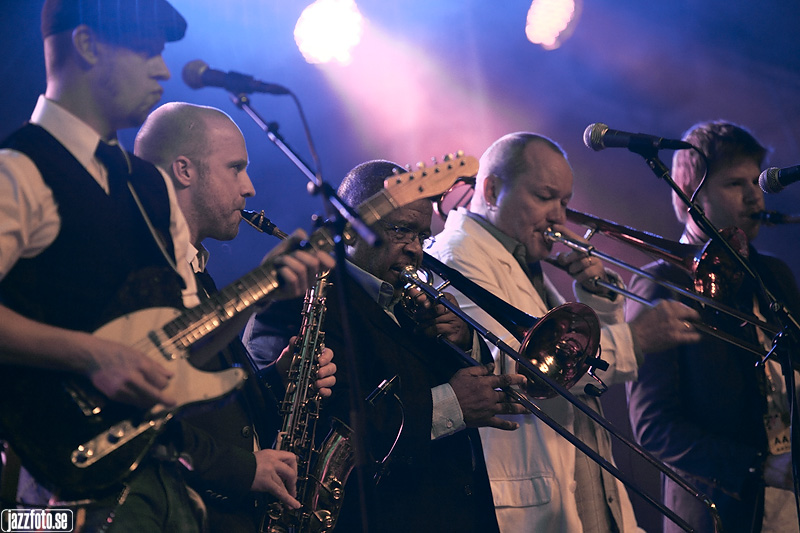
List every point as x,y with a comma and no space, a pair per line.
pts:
436,77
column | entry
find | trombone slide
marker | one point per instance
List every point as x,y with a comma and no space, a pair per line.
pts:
465,286
588,249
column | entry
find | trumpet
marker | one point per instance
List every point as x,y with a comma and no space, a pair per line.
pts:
569,334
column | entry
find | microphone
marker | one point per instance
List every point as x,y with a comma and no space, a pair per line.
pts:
775,179
197,74
598,137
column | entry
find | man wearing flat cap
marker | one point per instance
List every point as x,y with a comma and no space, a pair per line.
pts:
88,233
75,251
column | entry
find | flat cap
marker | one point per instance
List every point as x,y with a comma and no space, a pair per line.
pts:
116,20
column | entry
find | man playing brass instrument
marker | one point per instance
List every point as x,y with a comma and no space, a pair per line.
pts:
435,479
541,482
204,153
707,410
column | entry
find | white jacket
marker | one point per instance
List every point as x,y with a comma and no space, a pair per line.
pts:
532,469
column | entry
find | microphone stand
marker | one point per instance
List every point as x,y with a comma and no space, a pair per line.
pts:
339,216
790,328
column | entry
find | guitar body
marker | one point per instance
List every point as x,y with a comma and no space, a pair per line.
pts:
80,444
64,430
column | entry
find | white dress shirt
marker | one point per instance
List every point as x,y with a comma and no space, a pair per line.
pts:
29,219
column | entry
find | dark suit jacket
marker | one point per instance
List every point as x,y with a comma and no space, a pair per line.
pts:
437,485
700,409
219,439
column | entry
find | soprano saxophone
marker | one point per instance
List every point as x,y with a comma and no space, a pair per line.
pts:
321,473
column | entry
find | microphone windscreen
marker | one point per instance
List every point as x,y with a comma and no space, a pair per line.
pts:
193,73
593,136
768,180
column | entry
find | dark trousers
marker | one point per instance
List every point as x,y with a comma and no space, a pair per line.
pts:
155,499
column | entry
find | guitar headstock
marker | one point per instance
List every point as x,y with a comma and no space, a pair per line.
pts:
430,181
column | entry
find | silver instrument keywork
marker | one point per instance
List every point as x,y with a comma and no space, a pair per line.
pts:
321,473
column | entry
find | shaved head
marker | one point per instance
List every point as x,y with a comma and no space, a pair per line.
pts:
175,129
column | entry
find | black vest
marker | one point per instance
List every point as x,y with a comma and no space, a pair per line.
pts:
104,261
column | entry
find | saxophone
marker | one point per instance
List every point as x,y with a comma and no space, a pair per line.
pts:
321,473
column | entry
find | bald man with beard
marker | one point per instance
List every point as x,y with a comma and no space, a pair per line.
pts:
204,153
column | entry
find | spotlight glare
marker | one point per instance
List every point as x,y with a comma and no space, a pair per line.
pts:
550,22
328,30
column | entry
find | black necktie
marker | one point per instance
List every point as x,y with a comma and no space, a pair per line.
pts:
115,162
206,283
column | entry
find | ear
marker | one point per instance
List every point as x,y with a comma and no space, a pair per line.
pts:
85,43
491,189
184,172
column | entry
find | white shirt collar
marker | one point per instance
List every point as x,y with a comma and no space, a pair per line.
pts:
198,259
76,136
379,290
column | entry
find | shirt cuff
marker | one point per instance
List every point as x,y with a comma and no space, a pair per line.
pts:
447,416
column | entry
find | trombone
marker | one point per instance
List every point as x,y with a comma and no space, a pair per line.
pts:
699,261
565,338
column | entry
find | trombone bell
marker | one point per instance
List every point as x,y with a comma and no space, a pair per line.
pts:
562,345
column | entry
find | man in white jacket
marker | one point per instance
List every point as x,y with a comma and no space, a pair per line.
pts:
540,482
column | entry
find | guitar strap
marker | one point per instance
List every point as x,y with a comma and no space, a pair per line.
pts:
156,235
119,167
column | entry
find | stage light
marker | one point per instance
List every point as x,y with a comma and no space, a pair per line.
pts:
328,30
550,22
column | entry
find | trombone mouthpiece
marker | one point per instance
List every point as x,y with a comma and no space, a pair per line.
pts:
551,235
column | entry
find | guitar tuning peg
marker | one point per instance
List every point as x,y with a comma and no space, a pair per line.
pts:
448,157
433,161
420,165
460,153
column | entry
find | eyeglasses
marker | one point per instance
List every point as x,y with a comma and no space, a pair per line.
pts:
403,235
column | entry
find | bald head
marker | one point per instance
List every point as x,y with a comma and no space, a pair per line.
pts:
178,129
204,153
522,188
504,161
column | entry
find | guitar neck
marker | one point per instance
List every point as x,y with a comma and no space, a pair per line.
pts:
378,206
196,323
200,321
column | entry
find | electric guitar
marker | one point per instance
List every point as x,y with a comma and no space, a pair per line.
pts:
76,441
